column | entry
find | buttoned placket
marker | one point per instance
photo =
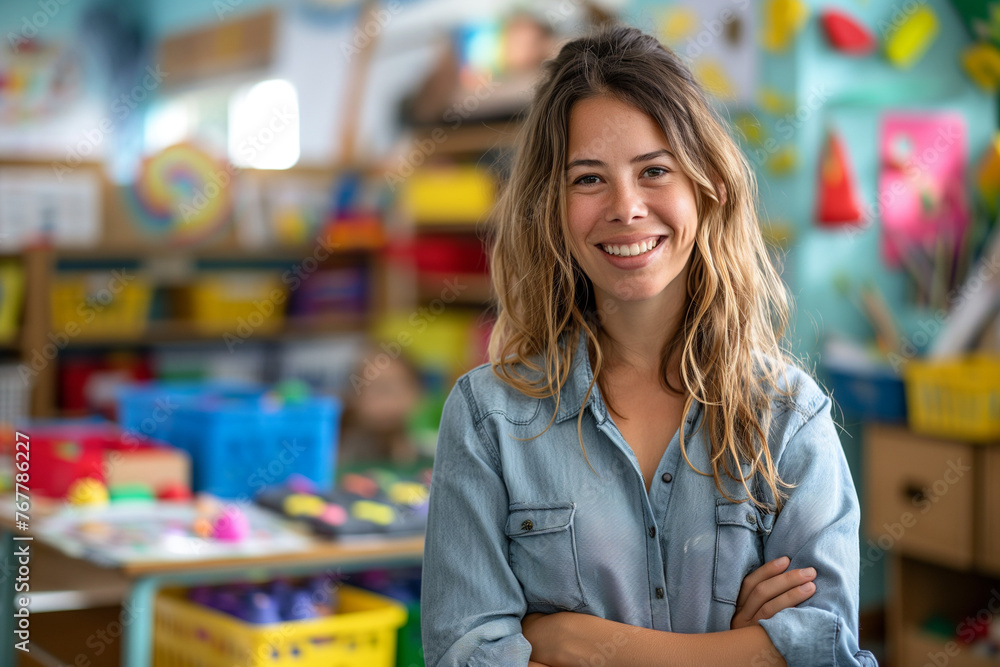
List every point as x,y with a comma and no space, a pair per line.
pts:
654,504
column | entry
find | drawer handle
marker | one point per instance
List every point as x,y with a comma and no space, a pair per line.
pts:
913,492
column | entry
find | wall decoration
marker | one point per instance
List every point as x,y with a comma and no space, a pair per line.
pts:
782,21
837,201
847,34
921,186
182,195
911,39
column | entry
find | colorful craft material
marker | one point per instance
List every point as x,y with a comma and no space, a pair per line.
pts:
782,21
911,39
837,198
231,526
87,491
982,63
847,34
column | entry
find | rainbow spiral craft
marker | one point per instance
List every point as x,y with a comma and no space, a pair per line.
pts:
183,194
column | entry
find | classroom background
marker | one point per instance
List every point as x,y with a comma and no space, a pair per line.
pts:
244,257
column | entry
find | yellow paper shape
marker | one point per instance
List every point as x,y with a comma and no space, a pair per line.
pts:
713,77
782,20
677,23
982,64
774,102
912,38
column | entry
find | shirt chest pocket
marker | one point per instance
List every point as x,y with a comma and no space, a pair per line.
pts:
543,554
740,529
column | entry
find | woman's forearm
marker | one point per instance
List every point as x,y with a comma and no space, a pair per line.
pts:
585,638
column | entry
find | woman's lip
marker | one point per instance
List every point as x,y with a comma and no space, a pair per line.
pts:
633,261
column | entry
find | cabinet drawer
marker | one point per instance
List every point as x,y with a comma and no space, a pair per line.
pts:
988,540
920,495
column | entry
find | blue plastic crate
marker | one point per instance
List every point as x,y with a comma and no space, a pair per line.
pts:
873,395
240,438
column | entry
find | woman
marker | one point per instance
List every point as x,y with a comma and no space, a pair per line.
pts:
640,476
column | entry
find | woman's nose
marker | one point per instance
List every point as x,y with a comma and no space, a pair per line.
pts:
626,203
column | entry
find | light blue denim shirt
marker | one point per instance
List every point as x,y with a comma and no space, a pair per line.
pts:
520,525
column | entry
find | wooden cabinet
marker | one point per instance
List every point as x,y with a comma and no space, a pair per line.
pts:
933,511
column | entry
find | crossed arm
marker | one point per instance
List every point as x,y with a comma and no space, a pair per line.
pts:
570,639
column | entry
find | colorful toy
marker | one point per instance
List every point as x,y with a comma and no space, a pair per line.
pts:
782,21
231,525
131,492
846,34
298,606
87,491
911,39
174,493
299,504
982,63
837,198
260,608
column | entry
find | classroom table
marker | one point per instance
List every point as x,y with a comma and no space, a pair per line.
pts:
137,584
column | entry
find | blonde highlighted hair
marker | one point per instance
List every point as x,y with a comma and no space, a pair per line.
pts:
728,343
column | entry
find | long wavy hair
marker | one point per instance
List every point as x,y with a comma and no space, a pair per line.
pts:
728,345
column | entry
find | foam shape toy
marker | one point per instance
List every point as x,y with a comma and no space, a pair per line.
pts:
907,44
837,197
301,504
87,491
174,493
982,63
231,526
782,21
846,34
988,176
369,510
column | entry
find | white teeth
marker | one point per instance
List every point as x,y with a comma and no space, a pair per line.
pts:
630,250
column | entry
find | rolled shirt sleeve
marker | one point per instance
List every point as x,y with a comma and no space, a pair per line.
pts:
471,602
818,527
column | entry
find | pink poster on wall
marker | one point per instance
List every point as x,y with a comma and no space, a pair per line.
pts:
921,188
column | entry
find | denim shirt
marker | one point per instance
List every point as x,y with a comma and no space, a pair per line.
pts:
520,525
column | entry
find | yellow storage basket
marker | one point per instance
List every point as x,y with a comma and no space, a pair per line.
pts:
955,399
11,298
361,634
238,303
100,304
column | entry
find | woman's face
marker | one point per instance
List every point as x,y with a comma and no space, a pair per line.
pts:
632,214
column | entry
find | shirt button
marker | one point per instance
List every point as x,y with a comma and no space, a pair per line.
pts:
751,519
652,531
667,477
527,524
659,593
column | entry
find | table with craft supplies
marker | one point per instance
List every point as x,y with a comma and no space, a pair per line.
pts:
128,555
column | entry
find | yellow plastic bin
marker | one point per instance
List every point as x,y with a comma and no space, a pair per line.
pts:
98,304
11,298
239,303
361,634
955,399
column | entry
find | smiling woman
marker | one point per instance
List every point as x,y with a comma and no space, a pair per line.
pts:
641,475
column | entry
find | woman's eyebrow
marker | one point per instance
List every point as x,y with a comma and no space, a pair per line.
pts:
588,162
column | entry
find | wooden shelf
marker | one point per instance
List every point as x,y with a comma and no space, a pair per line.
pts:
179,331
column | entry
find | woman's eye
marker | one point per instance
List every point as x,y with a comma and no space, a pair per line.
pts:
589,179
655,172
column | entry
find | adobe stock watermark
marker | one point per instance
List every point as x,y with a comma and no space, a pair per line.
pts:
362,35
923,501
88,310
901,13
455,116
121,107
418,322
711,30
248,149
787,125
31,26
910,346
